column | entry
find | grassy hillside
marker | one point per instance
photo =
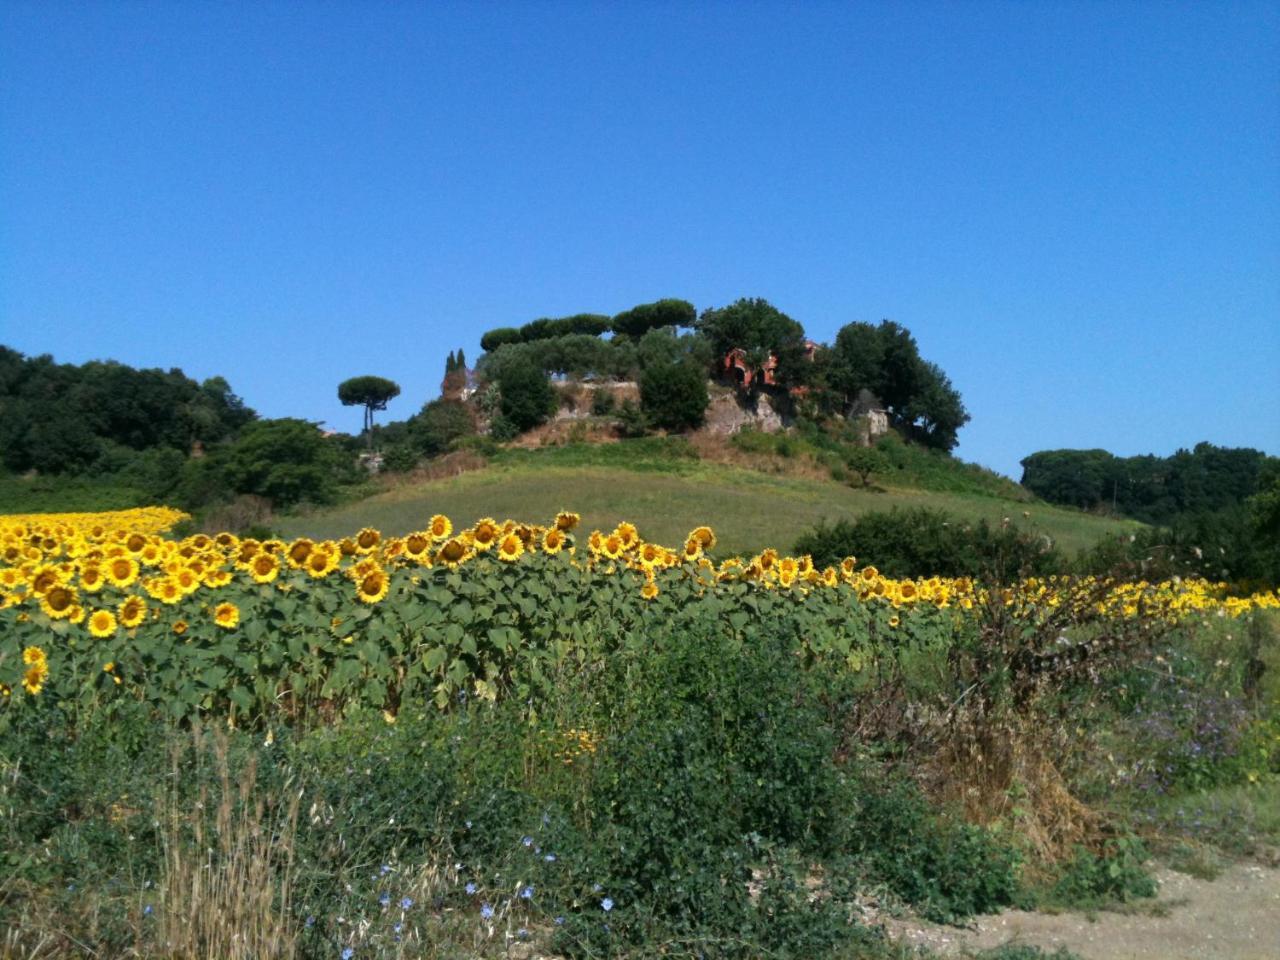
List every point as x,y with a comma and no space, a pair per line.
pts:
667,490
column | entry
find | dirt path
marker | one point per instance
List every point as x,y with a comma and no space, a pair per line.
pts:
1235,917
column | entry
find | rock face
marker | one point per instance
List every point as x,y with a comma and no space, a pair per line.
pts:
727,415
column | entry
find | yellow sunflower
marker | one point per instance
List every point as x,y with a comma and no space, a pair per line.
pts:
122,571
226,615
367,540
566,521
511,548
320,563
91,579
180,627
692,549
32,655
264,568
440,527
298,552
132,612
453,553
649,590
484,533
417,545
58,602
612,546
705,536
553,541
34,678
373,586
628,533
102,623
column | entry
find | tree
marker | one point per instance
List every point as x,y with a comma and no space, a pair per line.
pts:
673,395
864,461
373,393
528,398
760,330
639,320
439,424
499,336
285,460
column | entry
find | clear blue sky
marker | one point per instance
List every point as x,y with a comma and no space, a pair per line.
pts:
1075,207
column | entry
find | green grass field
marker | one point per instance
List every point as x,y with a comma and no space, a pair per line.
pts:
666,498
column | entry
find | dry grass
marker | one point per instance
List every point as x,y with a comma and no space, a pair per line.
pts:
228,866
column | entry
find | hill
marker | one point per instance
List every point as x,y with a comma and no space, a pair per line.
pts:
667,487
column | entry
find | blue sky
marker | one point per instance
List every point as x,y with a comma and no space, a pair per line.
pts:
1075,207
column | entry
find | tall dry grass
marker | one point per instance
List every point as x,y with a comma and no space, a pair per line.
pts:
228,866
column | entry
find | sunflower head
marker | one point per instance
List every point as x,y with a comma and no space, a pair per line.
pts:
553,540
484,533
452,553
264,568
649,590
102,623
511,548
367,540
132,611
122,571
226,615
298,552
440,527
373,586
566,521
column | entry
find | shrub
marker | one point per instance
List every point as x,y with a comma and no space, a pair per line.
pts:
948,870
674,396
602,403
921,542
1117,874
287,461
440,423
528,398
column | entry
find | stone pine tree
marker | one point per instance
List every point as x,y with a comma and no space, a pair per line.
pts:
373,393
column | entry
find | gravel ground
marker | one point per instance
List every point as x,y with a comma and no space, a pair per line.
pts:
1235,917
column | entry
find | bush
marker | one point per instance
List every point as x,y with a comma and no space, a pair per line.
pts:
674,396
400,459
528,398
920,542
1117,874
287,461
602,403
948,870
440,423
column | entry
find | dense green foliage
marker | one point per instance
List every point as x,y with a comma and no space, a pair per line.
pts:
673,395
372,393
97,417
760,330
528,398
1148,488
1214,507
638,321
885,361
922,542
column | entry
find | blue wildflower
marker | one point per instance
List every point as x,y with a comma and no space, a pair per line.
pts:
348,953
527,841
606,904
486,911
470,888
406,903
559,921
527,893
550,858
385,900
148,910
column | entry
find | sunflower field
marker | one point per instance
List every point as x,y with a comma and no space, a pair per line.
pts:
96,607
